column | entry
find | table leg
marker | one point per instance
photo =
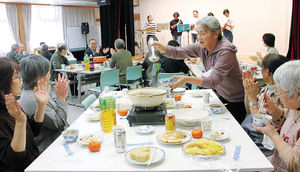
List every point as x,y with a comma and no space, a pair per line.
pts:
79,76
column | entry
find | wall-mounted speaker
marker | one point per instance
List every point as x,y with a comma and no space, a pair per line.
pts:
85,28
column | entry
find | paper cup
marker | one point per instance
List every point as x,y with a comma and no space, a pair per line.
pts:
63,66
206,124
179,105
205,95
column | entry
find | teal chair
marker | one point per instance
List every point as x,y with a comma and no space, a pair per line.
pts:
88,101
134,74
108,78
154,72
169,75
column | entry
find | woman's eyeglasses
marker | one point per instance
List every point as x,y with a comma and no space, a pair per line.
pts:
17,77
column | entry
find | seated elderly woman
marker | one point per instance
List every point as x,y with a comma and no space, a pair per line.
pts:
269,64
219,59
34,68
287,153
17,130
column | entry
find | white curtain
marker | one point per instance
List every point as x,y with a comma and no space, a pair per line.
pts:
5,34
12,17
46,26
74,16
252,19
26,12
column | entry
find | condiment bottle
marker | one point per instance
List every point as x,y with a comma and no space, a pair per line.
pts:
86,63
107,103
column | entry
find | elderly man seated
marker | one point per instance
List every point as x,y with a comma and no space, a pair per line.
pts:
57,59
95,50
22,52
14,53
121,59
44,52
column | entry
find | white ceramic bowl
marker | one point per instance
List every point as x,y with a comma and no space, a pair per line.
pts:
70,135
259,119
216,108
147,97
189,116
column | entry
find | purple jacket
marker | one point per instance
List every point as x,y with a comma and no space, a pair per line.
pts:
226,75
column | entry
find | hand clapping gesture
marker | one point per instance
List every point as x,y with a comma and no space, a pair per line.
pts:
105,50
251,87
61,87
112,51
14,109
41,92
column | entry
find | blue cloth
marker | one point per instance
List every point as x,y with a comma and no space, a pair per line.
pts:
228,35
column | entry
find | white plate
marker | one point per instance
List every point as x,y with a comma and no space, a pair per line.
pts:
188,138
159,155
179,90
204,156
100,138
224,135
93,117
190,116
144,129
197,94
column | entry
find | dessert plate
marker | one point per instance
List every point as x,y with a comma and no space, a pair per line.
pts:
223,135
158,156
86,139
144,129
184,140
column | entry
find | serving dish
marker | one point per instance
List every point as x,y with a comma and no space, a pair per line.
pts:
184,140
189,116
203,156
147,97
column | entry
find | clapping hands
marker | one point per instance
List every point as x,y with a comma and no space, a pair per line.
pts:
105,50
41,92
61,87
14,109
251,87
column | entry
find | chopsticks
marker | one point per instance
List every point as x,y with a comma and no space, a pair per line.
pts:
151,158
75,148
261,104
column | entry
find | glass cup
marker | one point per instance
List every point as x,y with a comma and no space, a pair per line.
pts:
205,95
206,124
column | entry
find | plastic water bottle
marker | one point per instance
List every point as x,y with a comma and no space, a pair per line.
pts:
86,63
107,103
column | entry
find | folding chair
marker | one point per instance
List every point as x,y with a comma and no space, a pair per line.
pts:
108,78
88,101
133,73
169,75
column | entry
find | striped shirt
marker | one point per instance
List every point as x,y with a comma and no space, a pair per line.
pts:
148,24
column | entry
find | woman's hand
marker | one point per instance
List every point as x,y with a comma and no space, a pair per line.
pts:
268,130
251,87
158,46
254,58
259,56
41,92
14,109
112,51
179,83
61,87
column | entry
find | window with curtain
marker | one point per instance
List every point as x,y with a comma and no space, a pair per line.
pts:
46,26
5,34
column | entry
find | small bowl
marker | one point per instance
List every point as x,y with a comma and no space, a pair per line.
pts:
70,135
96,110
259,119
216,108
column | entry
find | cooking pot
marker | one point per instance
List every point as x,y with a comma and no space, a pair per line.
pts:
147,97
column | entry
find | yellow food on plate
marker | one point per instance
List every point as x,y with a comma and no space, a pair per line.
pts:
140,154
88,138
172,136
203,147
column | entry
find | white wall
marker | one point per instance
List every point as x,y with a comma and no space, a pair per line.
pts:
253,18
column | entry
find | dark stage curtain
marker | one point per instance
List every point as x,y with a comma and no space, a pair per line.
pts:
114,18
294,47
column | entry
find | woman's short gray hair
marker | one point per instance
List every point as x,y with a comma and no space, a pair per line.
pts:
14,46
212,24
32,68
287,76
119,44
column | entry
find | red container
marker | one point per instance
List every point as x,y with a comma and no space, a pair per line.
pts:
99,59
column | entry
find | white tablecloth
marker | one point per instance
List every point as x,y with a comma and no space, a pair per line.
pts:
107,159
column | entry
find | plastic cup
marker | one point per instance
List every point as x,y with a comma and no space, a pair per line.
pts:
205,95
206,124
63,66
179,105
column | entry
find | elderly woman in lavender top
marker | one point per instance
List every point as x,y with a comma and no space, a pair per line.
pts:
220,62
